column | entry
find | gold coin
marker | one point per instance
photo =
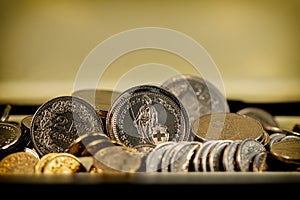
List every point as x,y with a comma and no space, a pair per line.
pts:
62,163
286,151
18,163
227,126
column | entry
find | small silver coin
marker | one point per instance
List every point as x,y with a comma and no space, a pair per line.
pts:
61,120
198,96
147,114
247,150
215,156
229,156
10,136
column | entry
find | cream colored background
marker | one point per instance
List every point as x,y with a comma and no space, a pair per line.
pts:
255,45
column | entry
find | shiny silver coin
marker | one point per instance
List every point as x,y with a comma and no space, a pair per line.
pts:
246,151
215,156
10,136
59,121
229,156
198,96
147,114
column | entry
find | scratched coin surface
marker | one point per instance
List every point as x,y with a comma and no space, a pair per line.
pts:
199,96
147,114
59,121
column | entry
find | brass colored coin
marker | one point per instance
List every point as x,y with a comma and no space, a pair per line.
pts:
287,151
227,126
18,163
117,159
79,145
39,167
96,145
63,163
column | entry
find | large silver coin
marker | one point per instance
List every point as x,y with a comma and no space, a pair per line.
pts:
147,114
197,95
59,121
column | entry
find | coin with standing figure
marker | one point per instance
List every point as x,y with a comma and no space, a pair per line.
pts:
147,114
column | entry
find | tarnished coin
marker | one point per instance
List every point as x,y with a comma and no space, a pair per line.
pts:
10,136
117,159
246,151
227,126
198,96
264,117
59,121
287,151
61,163
18,163
147,114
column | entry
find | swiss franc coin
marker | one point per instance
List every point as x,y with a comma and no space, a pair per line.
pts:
197,95
147,114
248,149
227,126
60,121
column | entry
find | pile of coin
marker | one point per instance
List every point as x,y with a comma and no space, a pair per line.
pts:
183,125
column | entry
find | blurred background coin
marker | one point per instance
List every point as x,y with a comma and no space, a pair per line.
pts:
198,96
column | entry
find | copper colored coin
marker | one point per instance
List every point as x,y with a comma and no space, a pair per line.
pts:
287,151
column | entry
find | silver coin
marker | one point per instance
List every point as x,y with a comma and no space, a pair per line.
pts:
199,153
153,160
180,160
215,156
59,121
246,152
10,136
147,114
198,96
205,155
229,156
259,163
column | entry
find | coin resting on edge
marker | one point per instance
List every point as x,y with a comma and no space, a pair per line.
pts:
227,126
147,114
198,96
59,121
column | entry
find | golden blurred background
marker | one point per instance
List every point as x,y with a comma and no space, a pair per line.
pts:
254,44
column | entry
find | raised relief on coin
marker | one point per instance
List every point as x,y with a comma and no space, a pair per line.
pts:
147,114
198,96
59,121
227,126
18,163
10,136
60,163
246,151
